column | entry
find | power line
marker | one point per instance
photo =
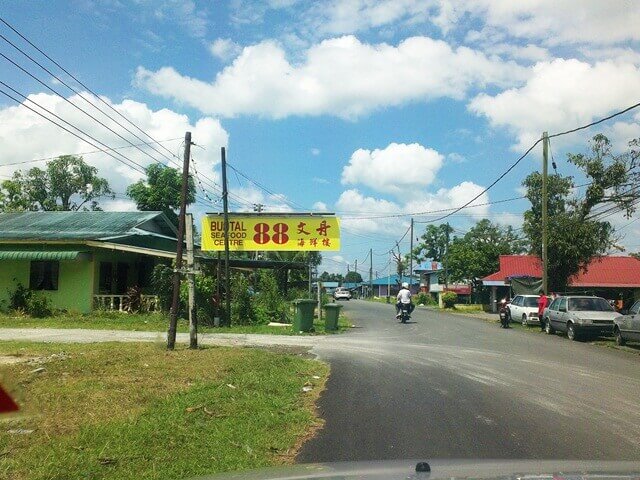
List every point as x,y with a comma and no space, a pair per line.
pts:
84,86
134,165
555,135
44,159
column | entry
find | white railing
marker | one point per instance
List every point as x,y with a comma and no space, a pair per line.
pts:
119,302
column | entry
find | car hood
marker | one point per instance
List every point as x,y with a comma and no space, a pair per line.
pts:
595,315
448,469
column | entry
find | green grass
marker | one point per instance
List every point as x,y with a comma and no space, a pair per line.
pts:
153,322
138,411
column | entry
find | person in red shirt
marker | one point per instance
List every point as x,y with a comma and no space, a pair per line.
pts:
543,301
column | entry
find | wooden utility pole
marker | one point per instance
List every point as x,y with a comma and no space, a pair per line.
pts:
356,266
173,316
389,277
370,272
225,208
545,219
191,284
257,207
411,258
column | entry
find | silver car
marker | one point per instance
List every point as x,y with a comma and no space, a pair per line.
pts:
627,327
579,316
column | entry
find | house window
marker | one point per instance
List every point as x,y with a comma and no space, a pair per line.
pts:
44,275
106,277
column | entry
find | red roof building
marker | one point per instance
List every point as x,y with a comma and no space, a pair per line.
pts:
602,272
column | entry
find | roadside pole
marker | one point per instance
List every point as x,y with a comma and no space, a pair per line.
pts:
545,219
371,272
389,277
173,316
411,259
319,284
191,283
225,207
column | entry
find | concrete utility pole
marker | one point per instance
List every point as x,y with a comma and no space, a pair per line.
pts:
319,284
173,316
545,219
191,283
257,207
389,277
225,208
411,258
370,272
446,259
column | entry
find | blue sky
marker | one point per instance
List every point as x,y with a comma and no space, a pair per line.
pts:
357,107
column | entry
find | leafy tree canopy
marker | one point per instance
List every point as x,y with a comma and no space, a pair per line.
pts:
66,183
353,277
433,243
578,231
477,253
161,191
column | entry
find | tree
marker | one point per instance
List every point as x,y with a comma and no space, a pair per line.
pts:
477,253
435,241
577,231
67,183
161,191
353,277
331,277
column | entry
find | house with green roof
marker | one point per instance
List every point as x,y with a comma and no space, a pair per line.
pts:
82,260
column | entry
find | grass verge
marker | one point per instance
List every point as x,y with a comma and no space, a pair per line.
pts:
152,322
137,411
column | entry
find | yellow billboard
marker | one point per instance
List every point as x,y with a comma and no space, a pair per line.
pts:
272,232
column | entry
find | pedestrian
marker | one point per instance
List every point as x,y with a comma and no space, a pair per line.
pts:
542,304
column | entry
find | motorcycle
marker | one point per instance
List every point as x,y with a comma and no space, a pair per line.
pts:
505,317
405,316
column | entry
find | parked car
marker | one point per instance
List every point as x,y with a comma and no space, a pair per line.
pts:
342,293
524,309
579,316
627,327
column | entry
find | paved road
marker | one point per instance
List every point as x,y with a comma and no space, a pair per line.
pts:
449,386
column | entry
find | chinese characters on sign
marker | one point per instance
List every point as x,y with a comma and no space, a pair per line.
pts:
266,233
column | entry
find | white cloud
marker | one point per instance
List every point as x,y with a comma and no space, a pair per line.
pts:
243,199
320,180
224,49
364,214
555,22
340,76
560,95
26,136
315,152
383,169
348,16
456,158
320,207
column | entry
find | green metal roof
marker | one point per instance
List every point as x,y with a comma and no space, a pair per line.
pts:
48,226
40,255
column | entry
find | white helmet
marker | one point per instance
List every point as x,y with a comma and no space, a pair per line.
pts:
405,285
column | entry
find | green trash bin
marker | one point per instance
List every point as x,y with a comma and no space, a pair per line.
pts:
331,314
303,317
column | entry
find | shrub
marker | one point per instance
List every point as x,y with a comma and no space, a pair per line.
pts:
162,283
205,289
271,302
19,298
133,301
423,299
449,299
242,308
39,305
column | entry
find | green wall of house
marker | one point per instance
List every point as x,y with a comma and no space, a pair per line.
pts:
78,280
75,284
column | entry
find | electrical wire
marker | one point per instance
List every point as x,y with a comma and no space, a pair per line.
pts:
44,159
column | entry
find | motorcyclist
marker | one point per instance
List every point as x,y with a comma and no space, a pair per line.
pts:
404,297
